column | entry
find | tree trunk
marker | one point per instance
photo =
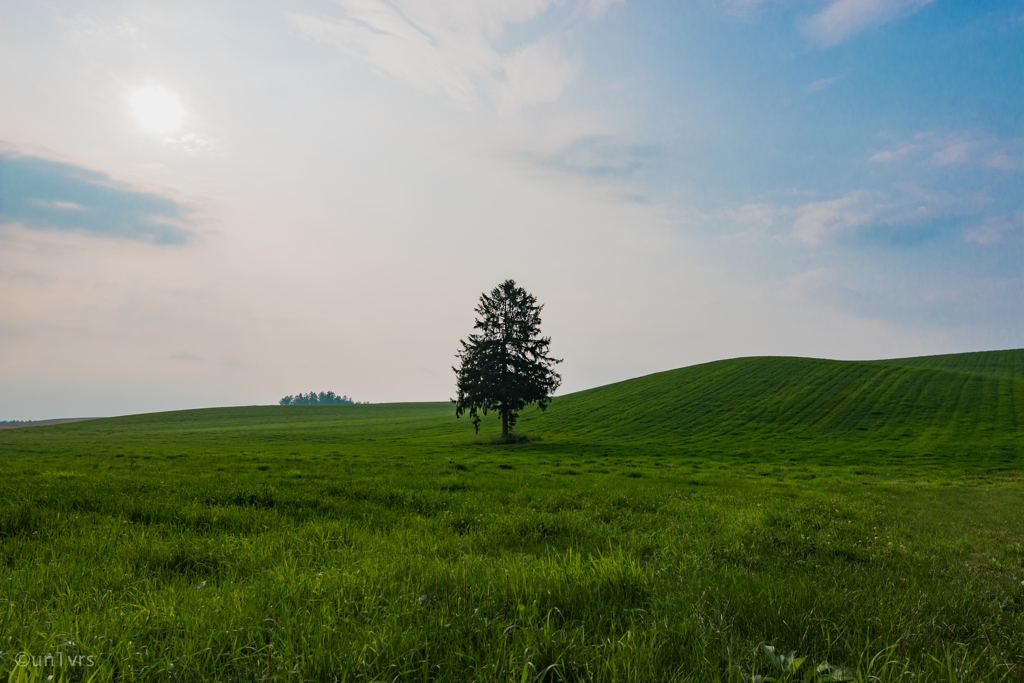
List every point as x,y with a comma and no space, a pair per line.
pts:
504,423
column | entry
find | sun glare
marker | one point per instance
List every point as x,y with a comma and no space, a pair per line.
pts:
156,108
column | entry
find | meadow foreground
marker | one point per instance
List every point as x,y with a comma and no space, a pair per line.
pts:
868,517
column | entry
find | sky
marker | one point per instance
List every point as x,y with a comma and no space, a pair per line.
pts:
207,204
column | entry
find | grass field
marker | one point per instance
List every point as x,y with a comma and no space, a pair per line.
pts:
866,516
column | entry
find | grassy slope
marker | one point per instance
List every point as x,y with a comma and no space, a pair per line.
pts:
1008,363
762,396
663,526
968,410
969,407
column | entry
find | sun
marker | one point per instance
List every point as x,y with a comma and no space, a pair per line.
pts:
157,109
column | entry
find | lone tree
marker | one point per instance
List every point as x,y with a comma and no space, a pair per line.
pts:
505,367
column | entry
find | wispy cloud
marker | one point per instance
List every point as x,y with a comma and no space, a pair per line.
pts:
536,74
806,285
189,143
821,83
595,9
956,148
43,194
818,222
995,229
839,20
380,37
739,8
755,221
54,204
844,18
447,48
814,222
597,156
83,28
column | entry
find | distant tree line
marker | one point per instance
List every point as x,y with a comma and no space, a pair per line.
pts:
324,398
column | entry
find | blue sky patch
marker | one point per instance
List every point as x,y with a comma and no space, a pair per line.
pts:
49,195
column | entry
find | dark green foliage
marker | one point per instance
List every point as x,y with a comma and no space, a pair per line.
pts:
867,516
506,366
324,398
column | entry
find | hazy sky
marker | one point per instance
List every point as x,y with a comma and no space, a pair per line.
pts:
222,203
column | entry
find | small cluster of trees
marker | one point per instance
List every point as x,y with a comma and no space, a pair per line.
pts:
324,398
504,366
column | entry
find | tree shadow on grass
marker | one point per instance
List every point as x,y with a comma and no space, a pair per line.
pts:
499,440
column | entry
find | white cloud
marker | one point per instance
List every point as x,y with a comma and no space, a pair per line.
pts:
67,206
535,74
821,84
446,48
739,8
385,42
84,28
843,18
839,20
1007,158
994,229
898,154
803,286
757,214
956,153
756,221
810,223
817,221
189,143
956,148
595,9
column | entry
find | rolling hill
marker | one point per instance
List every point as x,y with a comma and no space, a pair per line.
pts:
970,395
966,408
866,515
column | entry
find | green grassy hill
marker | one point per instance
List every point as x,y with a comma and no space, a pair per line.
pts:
1009,363
762,396
866,515
965,409
968,406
